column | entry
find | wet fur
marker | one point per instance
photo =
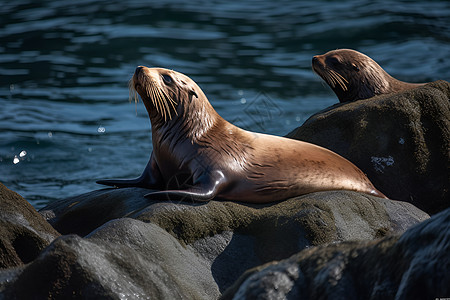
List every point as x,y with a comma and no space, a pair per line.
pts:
353,75
214,158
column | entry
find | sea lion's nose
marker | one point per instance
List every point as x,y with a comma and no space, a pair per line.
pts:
315,59
138,70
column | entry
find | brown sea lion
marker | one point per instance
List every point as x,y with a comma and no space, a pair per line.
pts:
354,76
199,155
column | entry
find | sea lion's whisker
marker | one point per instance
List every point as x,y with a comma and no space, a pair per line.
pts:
132,91
166,105
333,75
338,74
135,96
170,100
157,101
163,98
149,90
161,103
173,103
324,76
340,79
330,78
151,95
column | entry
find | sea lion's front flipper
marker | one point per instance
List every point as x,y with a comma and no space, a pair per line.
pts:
207,187
150,178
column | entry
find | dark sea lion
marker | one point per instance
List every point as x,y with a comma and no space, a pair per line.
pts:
199,155
354,76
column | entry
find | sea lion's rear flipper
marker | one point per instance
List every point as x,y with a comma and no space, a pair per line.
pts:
207,187
150,178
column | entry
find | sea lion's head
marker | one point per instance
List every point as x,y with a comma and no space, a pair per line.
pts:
351,74
162,91
171,97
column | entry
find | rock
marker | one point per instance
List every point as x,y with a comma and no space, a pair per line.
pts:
213,242
413,266
125,258
234,237
23,231
190,221
400,141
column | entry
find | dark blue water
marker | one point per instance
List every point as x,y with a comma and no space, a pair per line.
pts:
65,119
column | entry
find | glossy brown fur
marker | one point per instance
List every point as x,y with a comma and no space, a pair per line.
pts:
196,142
354,76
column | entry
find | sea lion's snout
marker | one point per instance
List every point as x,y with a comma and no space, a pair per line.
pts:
318,60
135,79
144,74
317,63
139,70
141,77
154,87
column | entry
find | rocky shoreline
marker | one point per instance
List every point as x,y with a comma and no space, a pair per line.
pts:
114,244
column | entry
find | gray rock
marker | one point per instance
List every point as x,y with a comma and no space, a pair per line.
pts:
133,247
353,215
23,231
412,266
124,259
400,141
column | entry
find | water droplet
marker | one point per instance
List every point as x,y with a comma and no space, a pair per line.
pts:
243,100
22,153
101,129
50,134
297,118
240,92
16,160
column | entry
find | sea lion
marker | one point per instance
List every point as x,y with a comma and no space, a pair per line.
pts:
354,76
199,155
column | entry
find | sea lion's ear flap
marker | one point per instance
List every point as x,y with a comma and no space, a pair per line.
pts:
192,92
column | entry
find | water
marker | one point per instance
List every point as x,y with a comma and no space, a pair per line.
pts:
65,119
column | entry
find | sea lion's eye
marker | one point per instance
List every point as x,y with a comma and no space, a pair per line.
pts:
355,67
167,79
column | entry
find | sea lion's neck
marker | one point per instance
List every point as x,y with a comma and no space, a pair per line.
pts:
396,85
